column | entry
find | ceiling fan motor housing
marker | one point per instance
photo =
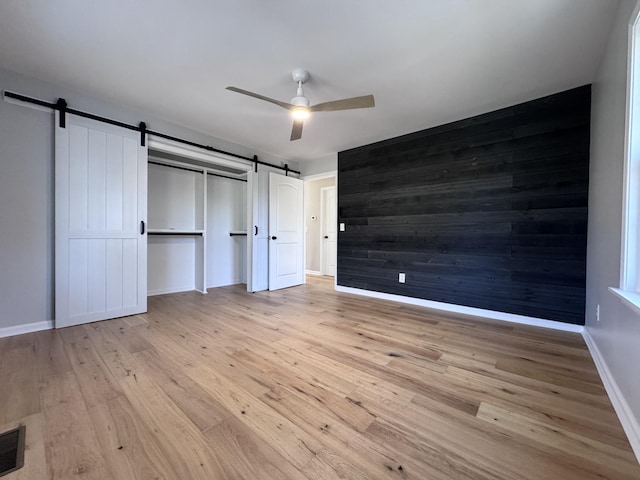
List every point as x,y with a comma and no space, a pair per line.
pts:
300,75
300,100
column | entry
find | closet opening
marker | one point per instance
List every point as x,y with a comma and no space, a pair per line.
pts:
197,220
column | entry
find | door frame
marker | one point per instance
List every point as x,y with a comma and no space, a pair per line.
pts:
310,178
277,184
219,159
323,190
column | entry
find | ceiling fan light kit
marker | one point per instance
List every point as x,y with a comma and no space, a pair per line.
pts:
300,113
299,106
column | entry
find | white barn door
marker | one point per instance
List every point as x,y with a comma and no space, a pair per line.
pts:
286,231
101,214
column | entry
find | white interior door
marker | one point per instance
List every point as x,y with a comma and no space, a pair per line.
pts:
101,212
258,230
286,231
329,233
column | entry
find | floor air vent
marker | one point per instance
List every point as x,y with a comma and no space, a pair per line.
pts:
11,450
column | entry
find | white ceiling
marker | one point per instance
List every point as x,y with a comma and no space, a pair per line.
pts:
427,62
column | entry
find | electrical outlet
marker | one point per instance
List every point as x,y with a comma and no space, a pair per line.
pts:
342,227
401,277
597,312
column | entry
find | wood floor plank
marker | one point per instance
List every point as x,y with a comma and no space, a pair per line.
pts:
71,445
18,371
130,448
183,443
248,454
51,356
306,383
597,421
604,459
35,461
277,430
346,445
494,453
96,382
341,407
194,401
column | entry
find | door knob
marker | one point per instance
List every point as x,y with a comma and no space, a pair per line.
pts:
326,236
274,238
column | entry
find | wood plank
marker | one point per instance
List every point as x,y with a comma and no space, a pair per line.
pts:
271,386
194,402
248,454
450,206
601,458
186,447
130,447
35,461
97,384
20,398
71,444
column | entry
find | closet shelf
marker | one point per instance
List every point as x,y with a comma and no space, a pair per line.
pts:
173,231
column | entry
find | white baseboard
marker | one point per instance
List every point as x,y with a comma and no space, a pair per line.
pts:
478,312
152,293
238,281
26,328
625,414
312,272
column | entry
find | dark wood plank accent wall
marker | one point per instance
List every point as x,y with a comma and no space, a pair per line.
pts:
487,212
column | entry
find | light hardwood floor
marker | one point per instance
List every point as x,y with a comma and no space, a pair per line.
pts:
307,383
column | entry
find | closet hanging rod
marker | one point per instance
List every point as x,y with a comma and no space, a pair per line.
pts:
184,234
225,176
62,106
175,166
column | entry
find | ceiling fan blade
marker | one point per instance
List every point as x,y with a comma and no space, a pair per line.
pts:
296,131
261,97
366,101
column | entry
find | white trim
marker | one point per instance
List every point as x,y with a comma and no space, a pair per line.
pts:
320,176
236,281
173,290
323,225
478,312
25,328
312,272
629,265
195,153
629,299
625,414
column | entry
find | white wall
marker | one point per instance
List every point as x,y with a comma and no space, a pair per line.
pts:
26,191
319,165
26,215
172,198
617,334
226,211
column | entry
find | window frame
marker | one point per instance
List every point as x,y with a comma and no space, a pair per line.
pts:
629,285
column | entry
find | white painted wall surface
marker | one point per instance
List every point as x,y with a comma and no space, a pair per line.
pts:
171,264
172,198
26,216
320,165
617,334
226,212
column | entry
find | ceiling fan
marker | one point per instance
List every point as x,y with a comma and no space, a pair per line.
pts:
300,108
